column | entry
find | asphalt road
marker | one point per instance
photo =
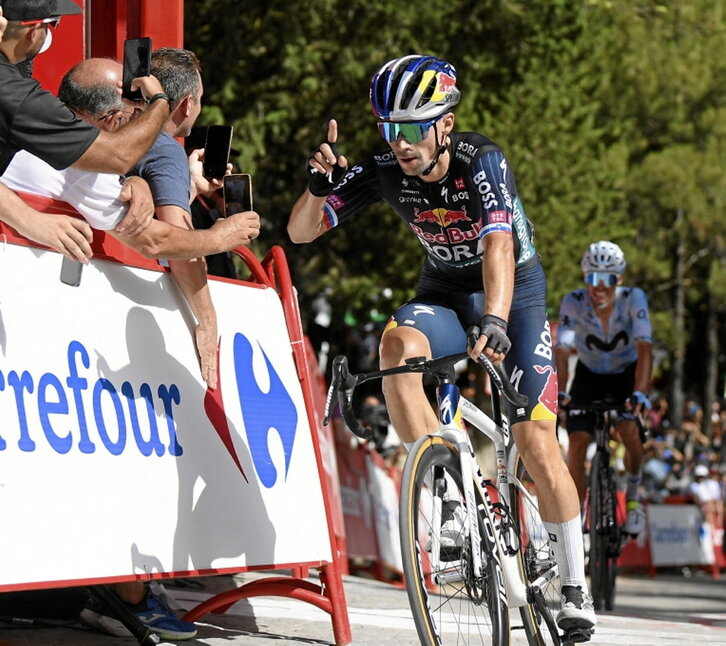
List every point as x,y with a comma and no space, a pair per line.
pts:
662,611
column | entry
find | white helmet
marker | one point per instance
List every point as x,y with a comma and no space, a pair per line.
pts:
603,256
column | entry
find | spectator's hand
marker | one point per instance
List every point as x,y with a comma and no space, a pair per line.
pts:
202,185
70,236
325,167
149,86
563,399
206,341
238,229
493,341
141,207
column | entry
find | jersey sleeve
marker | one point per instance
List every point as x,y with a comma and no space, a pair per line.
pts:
494,184
46,128
642,328
358,189
566,324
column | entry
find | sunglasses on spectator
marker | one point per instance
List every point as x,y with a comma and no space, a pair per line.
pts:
596,277
52,22
413,132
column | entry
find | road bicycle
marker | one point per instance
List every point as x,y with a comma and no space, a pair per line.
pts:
602,522
502,560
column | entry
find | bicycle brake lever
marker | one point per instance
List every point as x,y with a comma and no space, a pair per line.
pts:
340,363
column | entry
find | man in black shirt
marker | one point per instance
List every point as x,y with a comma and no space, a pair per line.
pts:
35,120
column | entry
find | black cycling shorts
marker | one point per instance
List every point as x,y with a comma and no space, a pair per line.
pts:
443,312
588,386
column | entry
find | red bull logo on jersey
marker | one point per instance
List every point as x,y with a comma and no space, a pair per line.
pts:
546,407
441,217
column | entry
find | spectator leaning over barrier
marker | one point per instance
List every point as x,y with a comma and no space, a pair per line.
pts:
34,120
93,94
609,326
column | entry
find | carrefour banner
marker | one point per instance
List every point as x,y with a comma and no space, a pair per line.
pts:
115,460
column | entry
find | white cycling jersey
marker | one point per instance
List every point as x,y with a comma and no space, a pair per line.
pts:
580,327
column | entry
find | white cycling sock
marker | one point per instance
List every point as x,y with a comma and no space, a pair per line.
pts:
566,542
632,489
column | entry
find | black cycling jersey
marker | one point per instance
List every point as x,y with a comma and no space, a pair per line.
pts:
477,196
450,217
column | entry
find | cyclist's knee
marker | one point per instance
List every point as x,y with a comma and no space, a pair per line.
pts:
400,343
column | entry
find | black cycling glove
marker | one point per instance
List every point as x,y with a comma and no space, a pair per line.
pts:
495,329
321,185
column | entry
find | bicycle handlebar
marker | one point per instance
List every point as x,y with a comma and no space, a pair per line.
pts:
343,382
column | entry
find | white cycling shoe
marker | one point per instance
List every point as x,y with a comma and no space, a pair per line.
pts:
635,521
451,536
577,617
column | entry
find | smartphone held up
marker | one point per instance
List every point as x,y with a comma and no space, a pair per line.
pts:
217,146
237,193
137,63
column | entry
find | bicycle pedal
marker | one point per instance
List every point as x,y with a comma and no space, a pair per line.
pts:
577,635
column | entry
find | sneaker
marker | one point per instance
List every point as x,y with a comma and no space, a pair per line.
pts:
577,616
635,521
95,616
158,617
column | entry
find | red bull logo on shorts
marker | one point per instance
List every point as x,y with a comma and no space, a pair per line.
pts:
546,407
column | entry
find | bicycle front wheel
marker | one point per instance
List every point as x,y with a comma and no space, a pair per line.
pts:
537,563
604,534
450,603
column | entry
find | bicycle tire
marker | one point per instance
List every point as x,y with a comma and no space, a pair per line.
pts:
603,534
536,556
447,613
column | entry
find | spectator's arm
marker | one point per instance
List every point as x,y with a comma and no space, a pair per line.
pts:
191,277
118,152
70,236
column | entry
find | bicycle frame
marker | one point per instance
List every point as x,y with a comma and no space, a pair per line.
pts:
502,536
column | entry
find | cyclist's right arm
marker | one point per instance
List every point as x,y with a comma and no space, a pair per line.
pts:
307,220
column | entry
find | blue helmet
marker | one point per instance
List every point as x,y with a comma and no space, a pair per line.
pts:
414,88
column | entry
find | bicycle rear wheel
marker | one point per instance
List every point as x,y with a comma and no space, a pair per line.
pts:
604,533
450,605
537,563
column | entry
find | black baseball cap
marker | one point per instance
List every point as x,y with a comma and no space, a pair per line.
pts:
19,10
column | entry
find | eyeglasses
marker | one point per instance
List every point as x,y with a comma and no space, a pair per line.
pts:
606,278
51,22
413,132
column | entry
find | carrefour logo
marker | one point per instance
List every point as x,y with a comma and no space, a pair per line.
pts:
77,413
264,411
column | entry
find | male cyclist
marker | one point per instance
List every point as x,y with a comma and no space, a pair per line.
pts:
609,327
457,194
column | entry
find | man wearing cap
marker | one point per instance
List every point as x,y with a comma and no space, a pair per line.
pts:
35,120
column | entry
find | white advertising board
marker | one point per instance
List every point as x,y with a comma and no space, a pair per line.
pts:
113,462
679,536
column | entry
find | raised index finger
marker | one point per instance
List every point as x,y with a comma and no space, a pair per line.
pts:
332,131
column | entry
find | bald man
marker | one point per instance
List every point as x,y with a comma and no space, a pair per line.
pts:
90,90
